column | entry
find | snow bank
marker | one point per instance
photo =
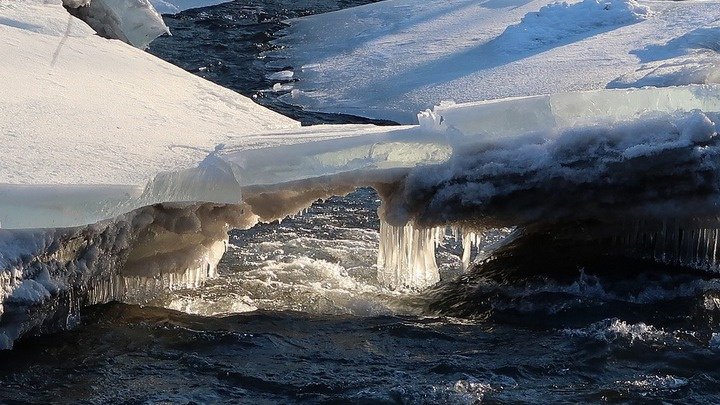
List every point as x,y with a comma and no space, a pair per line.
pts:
118,113
690,58
88,120
560,23
392,58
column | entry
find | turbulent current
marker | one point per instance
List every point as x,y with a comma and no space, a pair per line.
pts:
318,307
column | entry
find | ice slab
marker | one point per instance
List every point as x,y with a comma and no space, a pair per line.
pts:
132,21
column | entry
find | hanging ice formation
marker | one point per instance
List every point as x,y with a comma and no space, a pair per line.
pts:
689,243
406,257
133,258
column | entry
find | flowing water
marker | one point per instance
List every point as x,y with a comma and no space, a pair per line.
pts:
297,313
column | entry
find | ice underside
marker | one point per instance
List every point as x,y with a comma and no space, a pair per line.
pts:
637,170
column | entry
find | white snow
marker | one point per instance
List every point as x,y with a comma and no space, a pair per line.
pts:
118,113
393,58
82,111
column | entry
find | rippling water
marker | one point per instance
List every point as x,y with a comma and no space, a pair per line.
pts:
226,44
297,315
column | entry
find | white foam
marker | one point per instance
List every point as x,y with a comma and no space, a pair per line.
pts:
611,330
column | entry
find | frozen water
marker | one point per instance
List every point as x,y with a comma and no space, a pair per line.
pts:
152,133
392,58
132,21
406,258
47,275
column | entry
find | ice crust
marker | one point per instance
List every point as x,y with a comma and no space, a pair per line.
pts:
48,275
460,167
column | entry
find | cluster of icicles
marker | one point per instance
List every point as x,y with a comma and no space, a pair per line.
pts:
406,256
690,243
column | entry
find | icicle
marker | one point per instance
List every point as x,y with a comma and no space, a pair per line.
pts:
692,243
467,251
456,233
470,241
406,258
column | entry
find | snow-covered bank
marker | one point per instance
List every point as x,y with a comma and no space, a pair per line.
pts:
120,114
393,58
87,122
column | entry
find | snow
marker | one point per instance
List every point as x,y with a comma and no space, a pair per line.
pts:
83,111
96,92
396,57
690,58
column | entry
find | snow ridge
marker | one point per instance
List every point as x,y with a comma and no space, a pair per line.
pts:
562,22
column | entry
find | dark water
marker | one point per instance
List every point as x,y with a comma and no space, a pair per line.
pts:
226,44
297,316
310,325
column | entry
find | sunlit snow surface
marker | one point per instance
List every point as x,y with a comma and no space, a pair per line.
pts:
390,59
